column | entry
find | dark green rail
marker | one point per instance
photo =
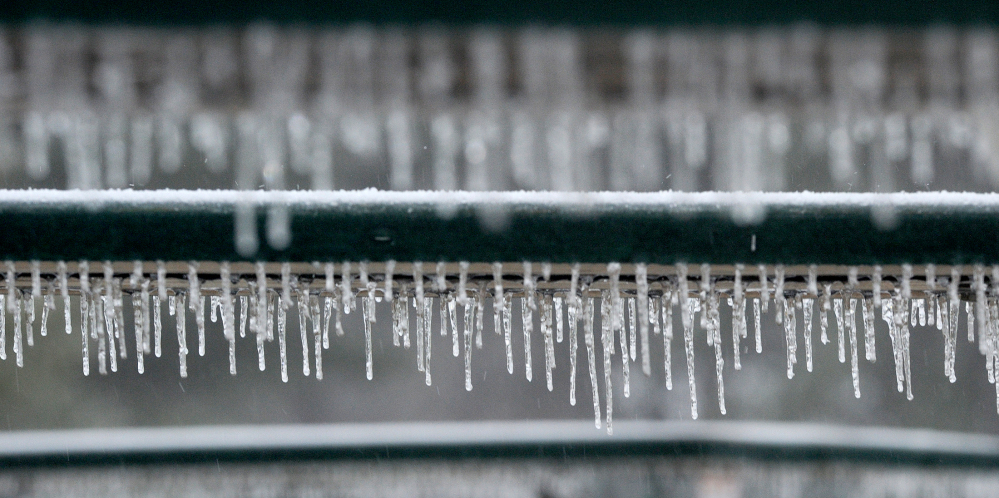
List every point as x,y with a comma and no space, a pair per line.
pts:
571,12
694,232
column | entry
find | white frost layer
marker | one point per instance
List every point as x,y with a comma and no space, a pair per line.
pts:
372,196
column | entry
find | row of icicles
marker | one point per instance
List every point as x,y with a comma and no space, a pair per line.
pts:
626,315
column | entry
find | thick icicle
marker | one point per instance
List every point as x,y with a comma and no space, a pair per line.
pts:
574,317
840,330
302,298
480,314
528,322
177,305
868,311
467,329
557,304
588,339
369,318
756,317
851,324
790,334
282,326
642,303
807,305
667,311
607,341
688,342
197,305
64,292
428,314
546,332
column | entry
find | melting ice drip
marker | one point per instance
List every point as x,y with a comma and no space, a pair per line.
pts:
629,300
796,108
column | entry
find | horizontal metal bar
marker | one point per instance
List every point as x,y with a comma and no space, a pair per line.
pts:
656,228
642,12
525,439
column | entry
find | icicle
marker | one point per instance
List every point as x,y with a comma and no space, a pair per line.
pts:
36,280
137,315
756,318
449,309
688,342
418,304
84,336
119,316
667,310
282,326
95,314
480,312
64,292
369,319
851,323
557,304
177,304
146,319
616,306
29,308
302,298
18,325
807,305
632,335
3,333
867,307
528,322
824,313
607,341
790,334
642,281
714,329
508,332
498,301
840,330
196,304
888,315
588,339
48,304
396,318
442,302
546,332
467,329
573,348
427,328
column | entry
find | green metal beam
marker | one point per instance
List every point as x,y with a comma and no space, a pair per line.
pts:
654,228
565,12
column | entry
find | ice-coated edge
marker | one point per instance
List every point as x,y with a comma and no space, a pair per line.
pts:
374,196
